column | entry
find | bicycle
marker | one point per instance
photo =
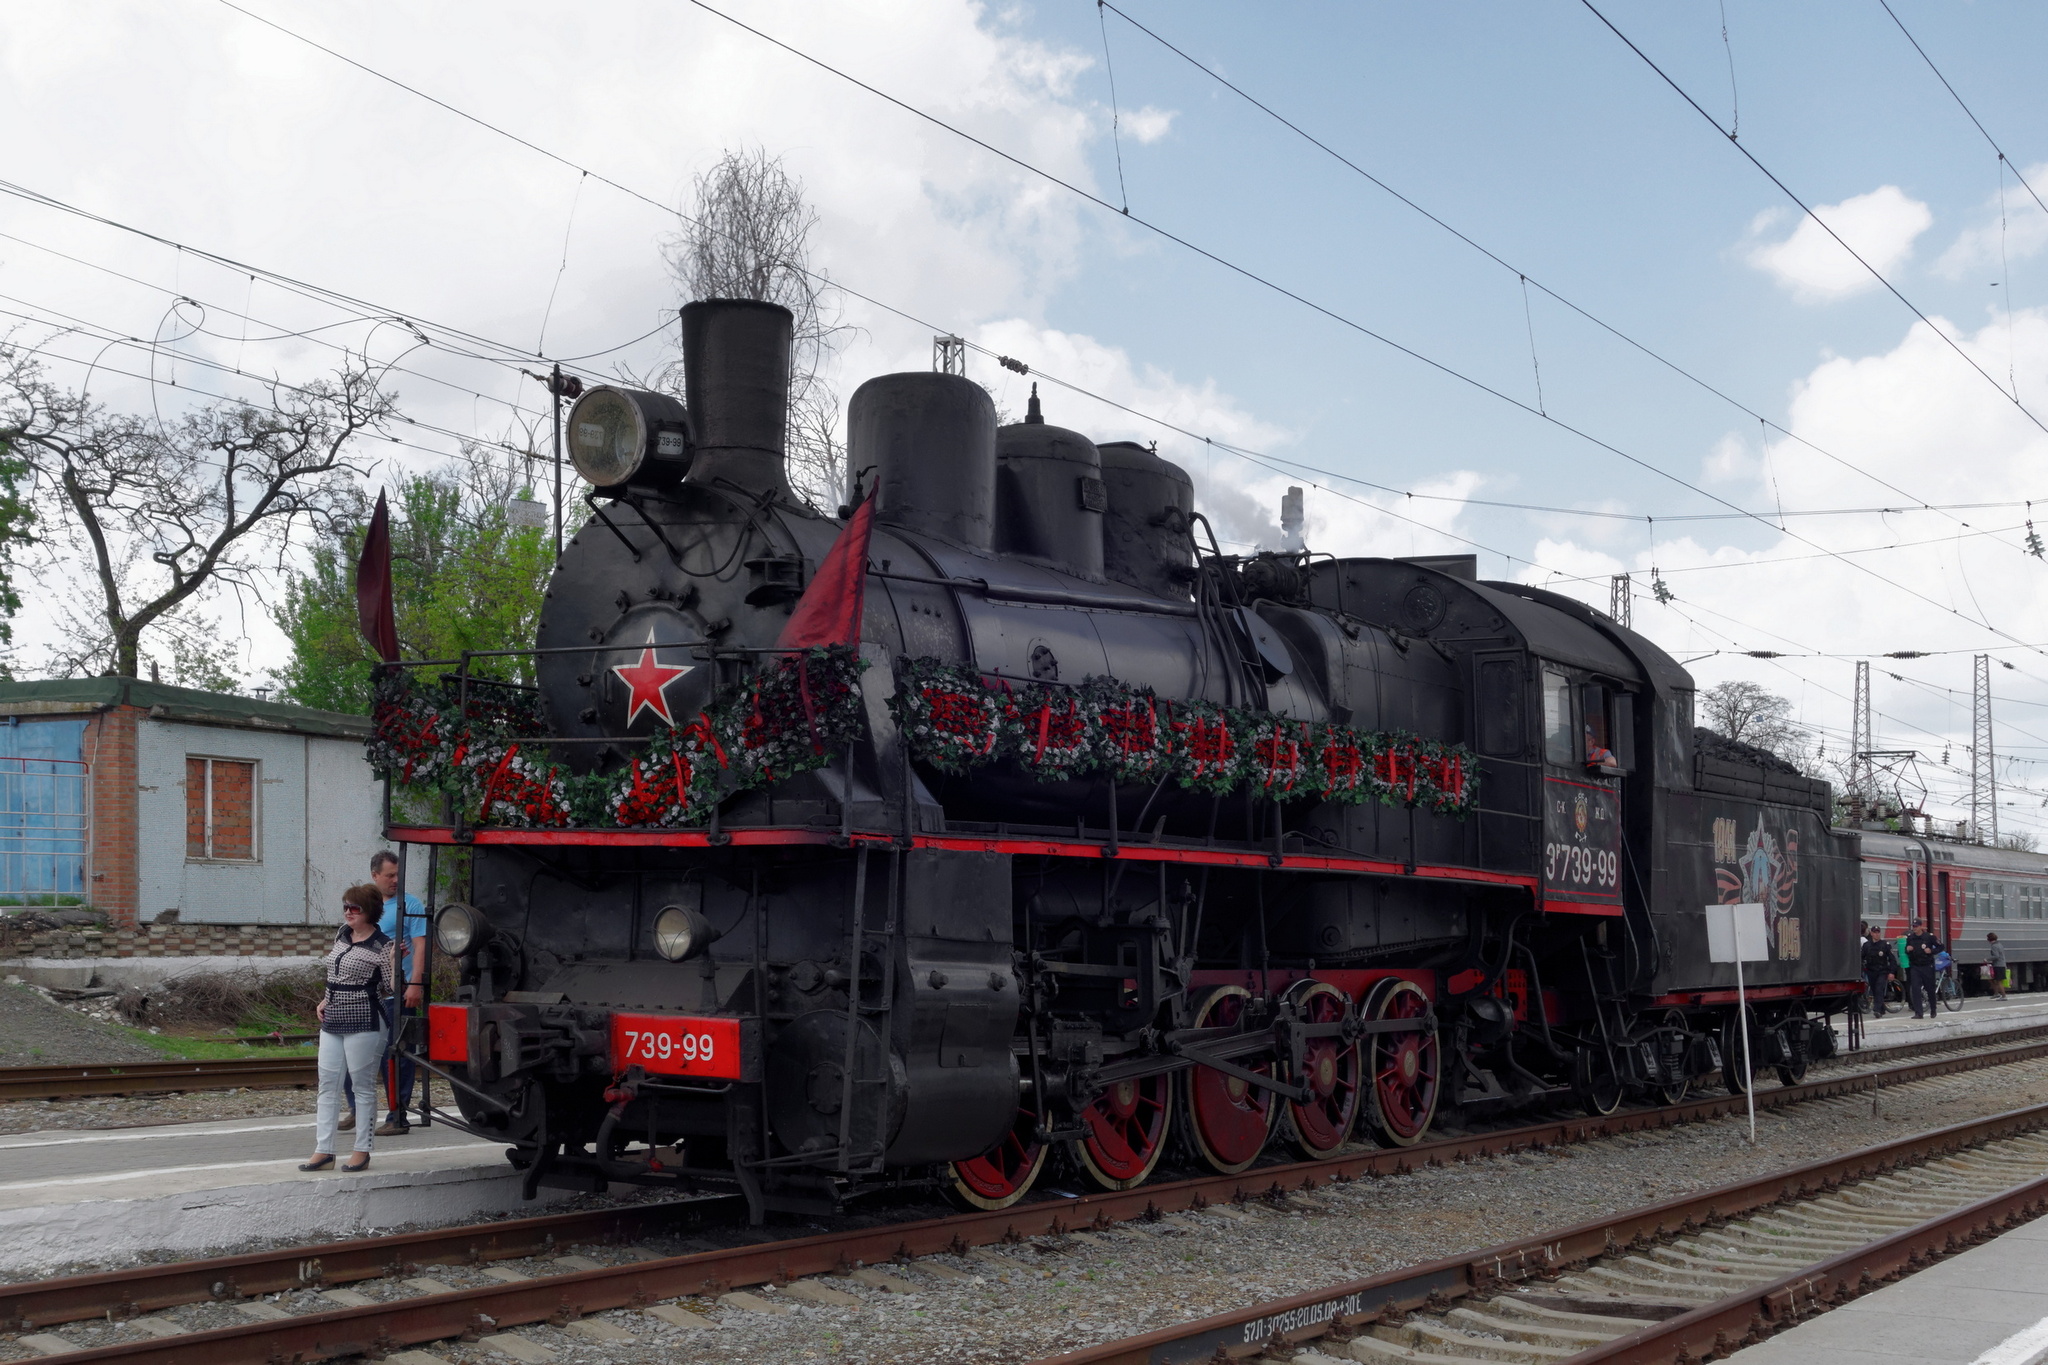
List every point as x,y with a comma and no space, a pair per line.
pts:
1948,990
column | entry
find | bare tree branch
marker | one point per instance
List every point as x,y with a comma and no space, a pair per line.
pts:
747,236
166,513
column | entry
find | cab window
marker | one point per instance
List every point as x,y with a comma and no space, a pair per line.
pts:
1560,744
1599,729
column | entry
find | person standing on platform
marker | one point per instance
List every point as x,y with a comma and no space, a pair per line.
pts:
1997,966
1921,949
351,1028
404,921
1877,968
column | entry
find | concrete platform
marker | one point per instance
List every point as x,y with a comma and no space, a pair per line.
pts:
72,1196
1988,1306
1979,1015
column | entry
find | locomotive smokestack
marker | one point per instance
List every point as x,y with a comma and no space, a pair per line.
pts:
736,385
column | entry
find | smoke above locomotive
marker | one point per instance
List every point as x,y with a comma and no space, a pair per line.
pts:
1077,841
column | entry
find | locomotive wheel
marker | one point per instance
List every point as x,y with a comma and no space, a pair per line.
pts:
1796,1072
1404,1071
1672,1094
1320,1124
1228,1120
1595,1082
999,1178
1127,1129
1733,1075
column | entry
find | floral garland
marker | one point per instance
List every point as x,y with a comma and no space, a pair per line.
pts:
956,722
491,757
796,714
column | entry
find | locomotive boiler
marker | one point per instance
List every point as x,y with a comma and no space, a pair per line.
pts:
1123,851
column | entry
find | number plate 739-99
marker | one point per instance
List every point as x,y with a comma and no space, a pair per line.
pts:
676,1045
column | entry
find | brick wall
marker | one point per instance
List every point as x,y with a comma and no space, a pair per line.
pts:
112,866
175,940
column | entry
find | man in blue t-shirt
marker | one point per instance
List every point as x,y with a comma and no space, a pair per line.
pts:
412,944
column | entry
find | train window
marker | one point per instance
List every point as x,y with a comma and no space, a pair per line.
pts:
1624,741
1596,731
1500,708
1880,894
1560,745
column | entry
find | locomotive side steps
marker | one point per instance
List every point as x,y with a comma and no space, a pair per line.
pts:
116,1296
1682,1281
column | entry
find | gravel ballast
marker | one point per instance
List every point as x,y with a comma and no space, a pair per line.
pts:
36,1032
1053,1294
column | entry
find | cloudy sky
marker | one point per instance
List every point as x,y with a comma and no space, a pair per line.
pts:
1596,338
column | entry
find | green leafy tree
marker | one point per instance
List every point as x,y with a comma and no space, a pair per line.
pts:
463,578
16,517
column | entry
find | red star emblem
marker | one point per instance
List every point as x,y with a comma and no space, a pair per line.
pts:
649,680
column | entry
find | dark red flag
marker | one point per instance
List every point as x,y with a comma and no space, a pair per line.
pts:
374,612
830,609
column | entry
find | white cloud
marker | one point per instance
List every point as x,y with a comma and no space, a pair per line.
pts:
1915,417
1148,124
1880,226
1732,460
1992,243
222,133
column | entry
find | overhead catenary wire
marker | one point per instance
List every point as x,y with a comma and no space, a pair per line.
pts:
1097,200
908,316
1519,272
1433,529
1324,310
1969,113
1807,209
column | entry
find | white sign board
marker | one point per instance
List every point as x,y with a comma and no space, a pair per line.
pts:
1735,933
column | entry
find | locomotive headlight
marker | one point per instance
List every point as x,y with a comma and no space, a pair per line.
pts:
459,929
613,432
681,932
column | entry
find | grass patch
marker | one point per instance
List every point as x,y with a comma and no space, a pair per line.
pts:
179,1048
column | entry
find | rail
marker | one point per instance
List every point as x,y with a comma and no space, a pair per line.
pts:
142,1078
382,1326
1716,1328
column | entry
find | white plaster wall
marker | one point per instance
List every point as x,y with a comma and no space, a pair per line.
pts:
300,872
344,825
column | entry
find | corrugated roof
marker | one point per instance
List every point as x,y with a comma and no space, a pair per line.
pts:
191,705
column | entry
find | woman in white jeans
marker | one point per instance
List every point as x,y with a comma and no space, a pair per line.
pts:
351,1027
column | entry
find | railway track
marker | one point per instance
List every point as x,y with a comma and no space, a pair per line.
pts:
139,1078
437,1312
144,1078
1683,1280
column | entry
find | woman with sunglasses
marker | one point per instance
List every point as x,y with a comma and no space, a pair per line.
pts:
351,1027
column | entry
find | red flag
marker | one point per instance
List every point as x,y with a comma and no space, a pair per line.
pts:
374,612
830,610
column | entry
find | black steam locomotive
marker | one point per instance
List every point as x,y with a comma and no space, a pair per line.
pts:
888,969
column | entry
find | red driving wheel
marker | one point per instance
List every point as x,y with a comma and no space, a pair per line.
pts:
1330,1067
999,1178
1406,1069
1127,1129
1228,1118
